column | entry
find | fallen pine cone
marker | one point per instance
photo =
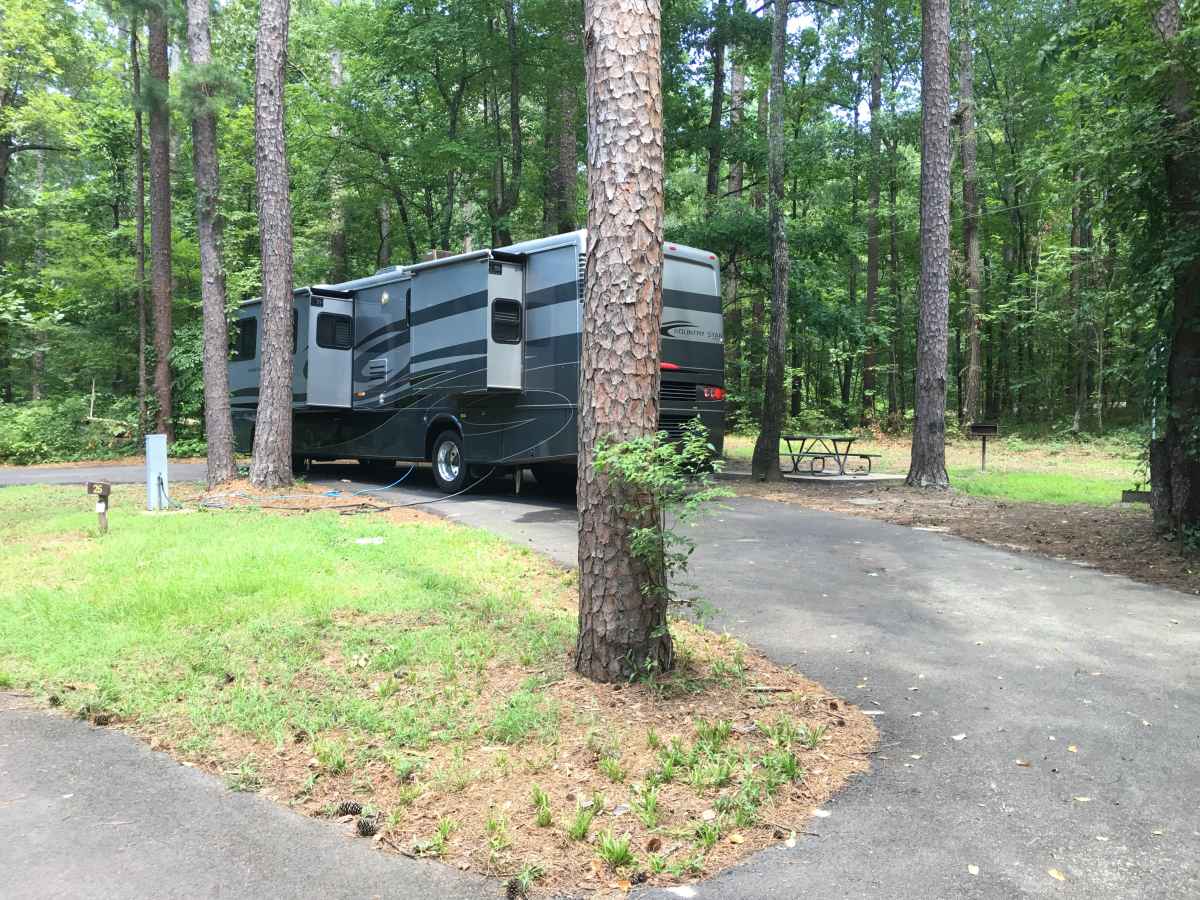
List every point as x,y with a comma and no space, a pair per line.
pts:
367,826
349,808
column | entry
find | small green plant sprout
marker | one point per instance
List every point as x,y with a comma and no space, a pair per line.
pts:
497,832
611,767
245,777
653,741
582,823
407,767
784,764
811,737
522,883
782,732
645,804
541,805
330,755
436,845
711,736
678,754
614,850
664,774
707,834
657,863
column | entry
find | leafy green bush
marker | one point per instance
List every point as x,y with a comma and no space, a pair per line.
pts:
55,430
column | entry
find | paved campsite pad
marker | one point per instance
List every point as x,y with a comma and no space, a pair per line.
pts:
1119,539
90,812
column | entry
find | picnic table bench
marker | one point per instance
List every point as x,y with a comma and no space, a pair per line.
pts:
822,447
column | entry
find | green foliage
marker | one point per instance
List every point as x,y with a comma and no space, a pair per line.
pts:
614,850
56,430
526,713
645,804
541,804
611,767
665,485
582,822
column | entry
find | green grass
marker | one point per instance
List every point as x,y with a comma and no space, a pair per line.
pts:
1020,469
271,626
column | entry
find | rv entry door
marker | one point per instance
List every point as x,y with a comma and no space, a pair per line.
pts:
506,325
330,347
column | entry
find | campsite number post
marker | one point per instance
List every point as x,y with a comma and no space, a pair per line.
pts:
984,430
101,490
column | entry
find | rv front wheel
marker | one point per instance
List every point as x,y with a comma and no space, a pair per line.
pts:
449,468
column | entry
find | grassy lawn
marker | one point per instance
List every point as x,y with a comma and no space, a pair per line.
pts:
1042,471
414,674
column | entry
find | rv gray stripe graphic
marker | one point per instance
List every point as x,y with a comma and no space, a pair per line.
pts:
548,296
470,347
469,303
705,303
386,329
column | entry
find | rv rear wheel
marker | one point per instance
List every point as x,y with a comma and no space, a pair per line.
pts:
449,467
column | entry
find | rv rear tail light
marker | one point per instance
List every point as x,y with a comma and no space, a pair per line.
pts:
708,392
668,367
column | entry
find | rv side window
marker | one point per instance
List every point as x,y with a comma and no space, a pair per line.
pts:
335,332
246,341
295,328
506,321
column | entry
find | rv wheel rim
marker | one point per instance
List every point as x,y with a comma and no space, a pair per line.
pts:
449,462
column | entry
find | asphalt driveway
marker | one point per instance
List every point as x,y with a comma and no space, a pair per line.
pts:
1040,721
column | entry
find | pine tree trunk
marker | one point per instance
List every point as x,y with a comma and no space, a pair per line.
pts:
139,218
272,462
566,170
383,256
896,395
765,463
1175,457
928,468
218,423
731,306
737,112
966,94
160,217
717,108
622,606
339,263
875,103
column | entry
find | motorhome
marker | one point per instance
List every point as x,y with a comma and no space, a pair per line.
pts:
471,362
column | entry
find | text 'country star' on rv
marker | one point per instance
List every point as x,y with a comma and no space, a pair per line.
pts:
472,361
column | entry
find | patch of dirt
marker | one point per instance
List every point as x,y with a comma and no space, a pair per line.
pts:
297,498
1119,539
477,783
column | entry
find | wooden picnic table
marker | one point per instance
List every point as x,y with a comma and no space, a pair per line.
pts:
823,447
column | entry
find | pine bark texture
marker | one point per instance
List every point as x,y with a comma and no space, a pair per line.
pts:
272,464
139,218
928,468
717,49
873,179
218,421
160,216
622,627
339,264
1175,457
765,462
566,176
970,186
